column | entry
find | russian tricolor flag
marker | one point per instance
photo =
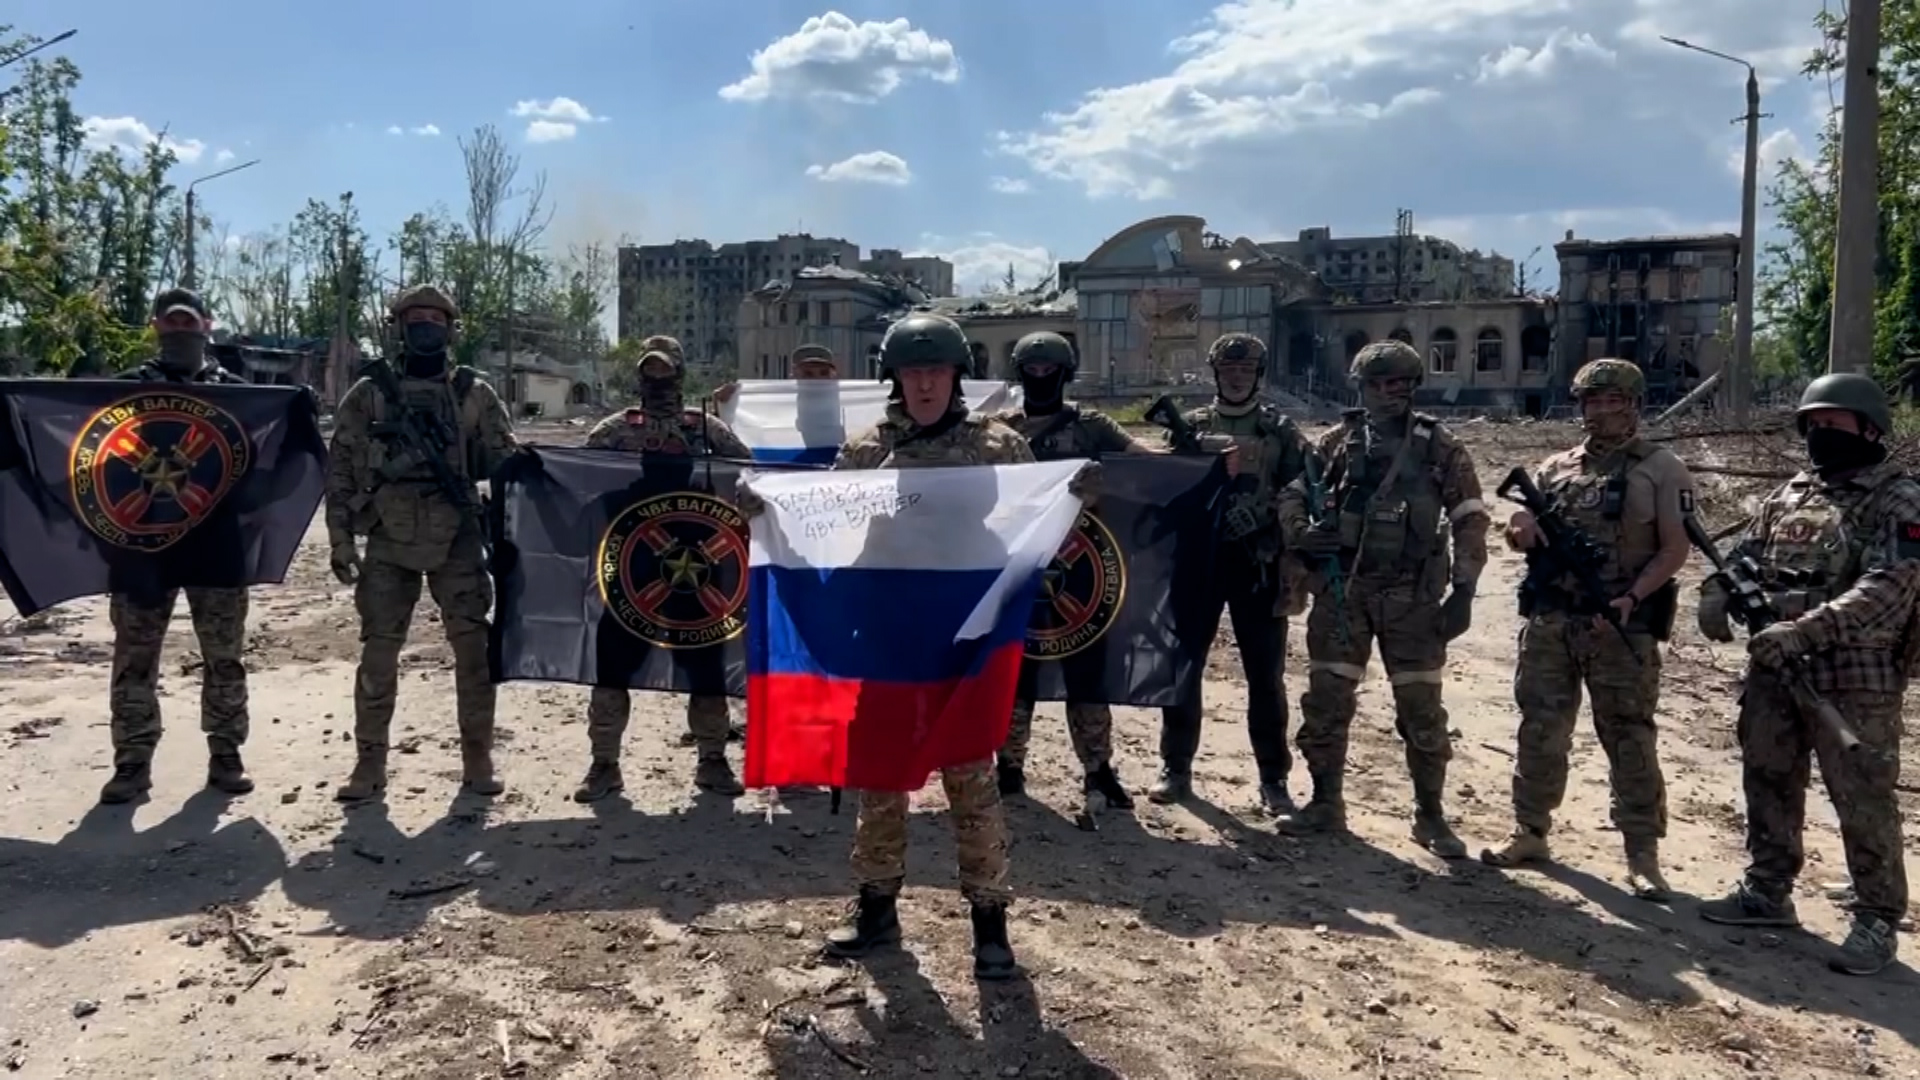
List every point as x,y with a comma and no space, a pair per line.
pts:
804,421
888,614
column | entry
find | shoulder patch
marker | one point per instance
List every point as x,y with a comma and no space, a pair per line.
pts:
1686,500
1906,535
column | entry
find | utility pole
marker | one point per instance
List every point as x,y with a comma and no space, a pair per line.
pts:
1740,382
1850,349
187,277
343,317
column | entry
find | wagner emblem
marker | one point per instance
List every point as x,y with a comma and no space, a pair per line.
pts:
673,570
148,469
1080,593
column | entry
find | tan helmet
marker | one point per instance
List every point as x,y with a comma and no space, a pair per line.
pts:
1236,348
666,348
1621,375
1389,359
423,296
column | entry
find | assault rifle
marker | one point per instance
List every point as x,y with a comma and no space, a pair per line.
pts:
426,441
1750,608
1567,551
1320,517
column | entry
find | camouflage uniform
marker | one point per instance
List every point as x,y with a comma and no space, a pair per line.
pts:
140,627
660,425
1396,485
1839,554
973,795
378,489
1251,581
1054,430
1620,490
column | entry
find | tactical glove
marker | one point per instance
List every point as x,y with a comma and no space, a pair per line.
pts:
345,562
1778,644
1318,542
1714,600
1085,484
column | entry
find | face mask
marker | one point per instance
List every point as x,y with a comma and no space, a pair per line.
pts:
183,350
661,395
426,339
1043,392
1834,451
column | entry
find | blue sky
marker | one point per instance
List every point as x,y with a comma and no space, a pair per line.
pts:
989,132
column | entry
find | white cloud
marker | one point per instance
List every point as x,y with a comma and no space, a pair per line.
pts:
871,167
981,260
426,130
553,120
835,58
1007,185
131,136
1775,149
1517,60
223,157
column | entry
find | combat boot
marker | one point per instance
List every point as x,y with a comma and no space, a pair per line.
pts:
1012,779
992,952
476,768
369,779
225,771
131,779
1869,948
1431,831
1523,846
713,774
603,779
1104,782
875,922
1750,905
1275,799
1644,879
1325,812
1174,785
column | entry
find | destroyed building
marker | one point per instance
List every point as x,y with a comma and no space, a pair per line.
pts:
1655,300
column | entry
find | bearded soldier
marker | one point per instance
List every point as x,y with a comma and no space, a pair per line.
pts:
1630,497
182,322
661,424
1837,550
1249,579
1046,363
1397,483
420,522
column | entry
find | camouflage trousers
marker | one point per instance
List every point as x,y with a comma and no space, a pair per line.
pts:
979,829
1560,653
609,708
1340,640
1777,745
139,629
385,598
1090,727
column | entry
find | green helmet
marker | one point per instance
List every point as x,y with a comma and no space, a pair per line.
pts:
1390,359
1621,375
923,340
1045,347
1857,394
1236,348
423,296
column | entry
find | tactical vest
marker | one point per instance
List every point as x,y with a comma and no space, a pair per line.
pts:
1053,437
151,371
444,400
1262,436
1595,503
1389,498
1814,549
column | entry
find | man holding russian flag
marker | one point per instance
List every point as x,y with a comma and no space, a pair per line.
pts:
887,625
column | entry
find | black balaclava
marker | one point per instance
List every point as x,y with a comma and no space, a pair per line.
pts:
182,352
425,355
1834,452
660,395
1043,394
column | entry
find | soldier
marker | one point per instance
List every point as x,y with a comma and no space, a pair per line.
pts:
1271,452
1046,363
809,363
1631,498
660,424
183,323
1397,483
927,426
1838,547
380,488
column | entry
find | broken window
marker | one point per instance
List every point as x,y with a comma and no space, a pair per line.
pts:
1444,351
1489,351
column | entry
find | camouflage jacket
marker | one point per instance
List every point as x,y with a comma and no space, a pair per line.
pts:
1273,453
897,443
210,372
378,489
1073,432
1393,532
1842,560
687,432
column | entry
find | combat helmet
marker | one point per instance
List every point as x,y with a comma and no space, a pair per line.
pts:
1858,394
1236,348
923,340
666,348
1622,375
432,297
1046,347
1389,359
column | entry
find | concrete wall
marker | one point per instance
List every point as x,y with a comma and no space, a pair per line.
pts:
1494,354
842,319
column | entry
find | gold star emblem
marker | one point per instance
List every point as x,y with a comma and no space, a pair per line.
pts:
685,570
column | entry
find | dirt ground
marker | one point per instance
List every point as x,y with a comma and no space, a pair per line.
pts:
437,938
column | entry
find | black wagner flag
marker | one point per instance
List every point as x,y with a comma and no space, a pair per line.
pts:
1119,615
619,569
114,486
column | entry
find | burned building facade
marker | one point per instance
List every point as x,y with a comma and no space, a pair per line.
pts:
1657,301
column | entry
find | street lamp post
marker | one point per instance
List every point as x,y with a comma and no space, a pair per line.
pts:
1740,386
47,44
187,277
